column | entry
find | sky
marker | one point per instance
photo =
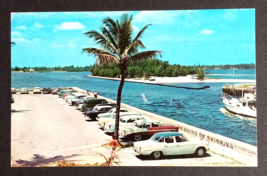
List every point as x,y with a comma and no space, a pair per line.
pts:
185,37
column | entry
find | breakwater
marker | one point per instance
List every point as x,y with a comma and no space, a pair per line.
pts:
223,141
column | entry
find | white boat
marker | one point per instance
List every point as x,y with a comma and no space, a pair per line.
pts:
245,106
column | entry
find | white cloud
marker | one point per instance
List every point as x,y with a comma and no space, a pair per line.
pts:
21,27
19,39
229,15
55,45
156,17
71,45
207,32
38,25
15,33
70,26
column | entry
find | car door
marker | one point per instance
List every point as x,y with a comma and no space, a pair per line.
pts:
170,146
183,146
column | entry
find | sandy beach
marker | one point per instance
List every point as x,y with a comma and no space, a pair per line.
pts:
180,79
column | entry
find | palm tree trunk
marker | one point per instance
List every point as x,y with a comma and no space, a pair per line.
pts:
117,120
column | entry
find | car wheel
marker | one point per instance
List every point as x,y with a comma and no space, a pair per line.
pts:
156,155
200,152
137,137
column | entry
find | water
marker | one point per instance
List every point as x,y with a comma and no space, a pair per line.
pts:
232,74
199,108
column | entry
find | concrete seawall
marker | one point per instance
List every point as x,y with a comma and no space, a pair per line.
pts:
193,131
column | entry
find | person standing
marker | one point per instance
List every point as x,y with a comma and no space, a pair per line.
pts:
114,144
95,94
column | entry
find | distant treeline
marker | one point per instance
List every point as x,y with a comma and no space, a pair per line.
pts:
156,67
70,68
145,68
237,66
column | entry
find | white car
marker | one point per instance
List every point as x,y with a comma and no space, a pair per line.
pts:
170,143
36,90
77,97
109,127
72,96
103,121
111,113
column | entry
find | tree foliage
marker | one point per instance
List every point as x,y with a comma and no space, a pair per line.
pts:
119,47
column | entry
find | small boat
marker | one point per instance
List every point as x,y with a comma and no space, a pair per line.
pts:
245,106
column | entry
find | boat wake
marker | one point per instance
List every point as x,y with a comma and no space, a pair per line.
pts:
230,114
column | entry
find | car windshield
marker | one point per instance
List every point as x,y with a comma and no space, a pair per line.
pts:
110,111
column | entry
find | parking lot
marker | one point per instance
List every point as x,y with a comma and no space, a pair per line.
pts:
45,129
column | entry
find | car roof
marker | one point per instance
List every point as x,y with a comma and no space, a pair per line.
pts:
36,87
166,134
24,88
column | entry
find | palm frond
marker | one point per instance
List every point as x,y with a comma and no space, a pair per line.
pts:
102,57
136,43
94,51
13,43
112,26
125,33
110,38
144,55
101,40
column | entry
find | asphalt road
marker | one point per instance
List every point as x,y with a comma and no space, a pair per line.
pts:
45,129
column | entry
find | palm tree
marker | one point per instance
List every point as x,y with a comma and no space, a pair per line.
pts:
118,46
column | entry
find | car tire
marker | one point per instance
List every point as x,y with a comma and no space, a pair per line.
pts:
200,152
156,155
137,137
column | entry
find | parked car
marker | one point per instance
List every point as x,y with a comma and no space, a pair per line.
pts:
12,99
62,92
170,143
24,90
111,113
140,130
55,91
47,90
81,100
36,90
91,115
102,104
79,104
90,103
13,90
125,120
72,96
77,99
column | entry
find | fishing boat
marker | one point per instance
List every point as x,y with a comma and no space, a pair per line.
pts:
245,106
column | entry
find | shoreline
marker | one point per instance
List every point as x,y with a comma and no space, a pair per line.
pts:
180,79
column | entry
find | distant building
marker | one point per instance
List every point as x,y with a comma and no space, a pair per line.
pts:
31,70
